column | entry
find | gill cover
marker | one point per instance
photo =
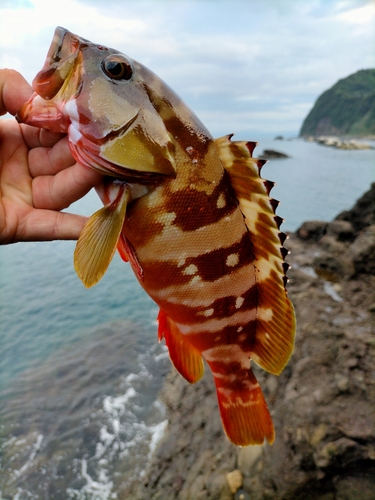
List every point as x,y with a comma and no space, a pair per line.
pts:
99,97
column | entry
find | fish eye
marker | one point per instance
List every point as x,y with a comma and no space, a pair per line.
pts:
117,67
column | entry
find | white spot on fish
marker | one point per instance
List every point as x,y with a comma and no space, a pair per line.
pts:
226,354
207,312
190,270
239,329
232,259
181,263
74,134
217,324
167,218
239,302
195,280
221,201
265,314
72,111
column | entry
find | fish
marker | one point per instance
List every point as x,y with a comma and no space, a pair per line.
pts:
190,213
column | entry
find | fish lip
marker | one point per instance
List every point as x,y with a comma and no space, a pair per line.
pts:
58,83
41,113
61,57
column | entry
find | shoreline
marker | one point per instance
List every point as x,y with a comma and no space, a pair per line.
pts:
341,142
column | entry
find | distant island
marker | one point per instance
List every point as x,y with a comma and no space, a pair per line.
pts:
346,109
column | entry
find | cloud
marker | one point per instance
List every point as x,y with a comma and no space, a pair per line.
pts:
364,15
238,64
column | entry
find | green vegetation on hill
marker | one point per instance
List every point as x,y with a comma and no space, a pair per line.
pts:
347,108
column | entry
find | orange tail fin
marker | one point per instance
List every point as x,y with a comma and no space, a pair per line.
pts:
244,413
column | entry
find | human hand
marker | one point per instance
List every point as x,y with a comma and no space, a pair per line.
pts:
38,175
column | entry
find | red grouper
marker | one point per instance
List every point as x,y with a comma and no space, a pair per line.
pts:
190,213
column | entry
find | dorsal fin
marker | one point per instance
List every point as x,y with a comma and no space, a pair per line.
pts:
275,335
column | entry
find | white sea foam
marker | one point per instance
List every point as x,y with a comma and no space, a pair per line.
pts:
98,490
30,460
162,355
157,432
123,435
127,426
117,405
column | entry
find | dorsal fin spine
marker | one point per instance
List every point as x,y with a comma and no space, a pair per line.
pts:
260,164
250,146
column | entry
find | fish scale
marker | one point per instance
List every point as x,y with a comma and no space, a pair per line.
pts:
190,213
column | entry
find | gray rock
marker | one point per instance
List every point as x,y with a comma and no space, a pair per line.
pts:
362,251
332,266
331,244
312,230
363,212
341,230
269,154
355,487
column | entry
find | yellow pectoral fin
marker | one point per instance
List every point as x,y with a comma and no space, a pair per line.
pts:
98,240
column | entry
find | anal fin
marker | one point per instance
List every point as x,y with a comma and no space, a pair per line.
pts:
186,359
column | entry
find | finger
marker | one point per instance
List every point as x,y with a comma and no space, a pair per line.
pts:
39,137
48,225
61,190
14,91
50,161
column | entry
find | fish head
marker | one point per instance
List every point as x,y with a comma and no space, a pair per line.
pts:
101,99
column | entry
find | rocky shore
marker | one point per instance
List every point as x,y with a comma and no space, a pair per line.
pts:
336,142
323,404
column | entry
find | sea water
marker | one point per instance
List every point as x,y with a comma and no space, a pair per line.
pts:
80,370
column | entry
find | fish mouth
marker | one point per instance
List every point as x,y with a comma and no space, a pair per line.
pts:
56,83
61,59
87,153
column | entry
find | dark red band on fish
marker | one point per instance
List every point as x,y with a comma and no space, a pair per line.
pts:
195,209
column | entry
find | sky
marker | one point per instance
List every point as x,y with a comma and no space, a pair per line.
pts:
250,67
